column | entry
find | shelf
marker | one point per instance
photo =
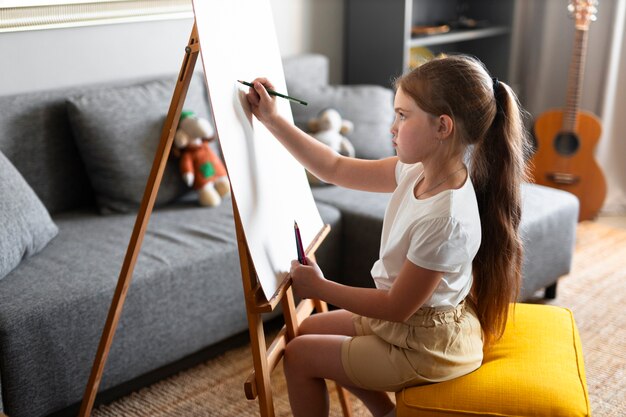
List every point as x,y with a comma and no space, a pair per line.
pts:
374,56
458,36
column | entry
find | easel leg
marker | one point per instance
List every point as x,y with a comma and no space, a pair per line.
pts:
262,371
141,223
262,387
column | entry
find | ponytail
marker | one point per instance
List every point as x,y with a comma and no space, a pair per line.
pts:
498,170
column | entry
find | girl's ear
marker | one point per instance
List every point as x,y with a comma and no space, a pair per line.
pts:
445,126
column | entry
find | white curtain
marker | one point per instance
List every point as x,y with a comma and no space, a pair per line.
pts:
542,47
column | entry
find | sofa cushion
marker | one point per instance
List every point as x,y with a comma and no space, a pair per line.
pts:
306,69
26,225
36,136
117,131
369,107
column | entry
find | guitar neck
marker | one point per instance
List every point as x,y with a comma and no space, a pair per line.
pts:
574,82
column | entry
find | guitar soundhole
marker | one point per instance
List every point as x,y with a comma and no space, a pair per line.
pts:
566,144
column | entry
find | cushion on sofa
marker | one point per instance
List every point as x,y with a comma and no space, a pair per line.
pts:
369,107
36,137
26,225
306,69
117,131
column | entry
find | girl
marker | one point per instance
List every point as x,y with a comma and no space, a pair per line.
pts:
450,251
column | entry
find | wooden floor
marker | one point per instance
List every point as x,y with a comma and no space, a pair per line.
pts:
613,221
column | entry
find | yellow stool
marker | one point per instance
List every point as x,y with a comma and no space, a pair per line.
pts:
536,369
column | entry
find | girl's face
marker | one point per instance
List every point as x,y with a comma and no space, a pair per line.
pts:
414,131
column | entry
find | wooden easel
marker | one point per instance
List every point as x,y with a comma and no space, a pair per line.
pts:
264,359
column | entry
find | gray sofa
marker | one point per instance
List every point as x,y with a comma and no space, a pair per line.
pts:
186,291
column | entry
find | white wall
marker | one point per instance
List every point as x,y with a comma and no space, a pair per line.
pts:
311,26
56,58
48,59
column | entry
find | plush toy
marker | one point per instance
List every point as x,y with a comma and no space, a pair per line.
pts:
200,167
329,128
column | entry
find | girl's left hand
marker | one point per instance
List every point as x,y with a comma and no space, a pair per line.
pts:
306,279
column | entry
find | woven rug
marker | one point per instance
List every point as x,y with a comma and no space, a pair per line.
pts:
595,291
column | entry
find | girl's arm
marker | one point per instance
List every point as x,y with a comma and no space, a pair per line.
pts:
411,289
319,159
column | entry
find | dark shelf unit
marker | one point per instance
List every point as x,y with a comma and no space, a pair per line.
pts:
378,39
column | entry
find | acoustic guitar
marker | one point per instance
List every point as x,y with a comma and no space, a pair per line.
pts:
566,138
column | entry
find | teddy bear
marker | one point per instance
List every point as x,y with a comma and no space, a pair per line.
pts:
329,128
199,166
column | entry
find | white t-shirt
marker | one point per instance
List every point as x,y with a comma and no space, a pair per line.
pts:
440,233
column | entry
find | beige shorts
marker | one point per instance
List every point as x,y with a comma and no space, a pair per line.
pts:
433,345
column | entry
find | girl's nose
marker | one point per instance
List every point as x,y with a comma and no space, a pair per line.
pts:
393,128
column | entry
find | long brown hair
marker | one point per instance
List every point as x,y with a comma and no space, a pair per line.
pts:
487,117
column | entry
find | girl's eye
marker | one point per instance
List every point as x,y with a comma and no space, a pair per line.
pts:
401,116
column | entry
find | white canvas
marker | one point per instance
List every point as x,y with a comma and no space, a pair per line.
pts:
238,42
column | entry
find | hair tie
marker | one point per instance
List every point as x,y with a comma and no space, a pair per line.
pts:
497,96
496,85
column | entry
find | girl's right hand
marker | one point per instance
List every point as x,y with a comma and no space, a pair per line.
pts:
262,105
306,279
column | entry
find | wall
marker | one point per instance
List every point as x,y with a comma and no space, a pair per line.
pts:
56,58
311,26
